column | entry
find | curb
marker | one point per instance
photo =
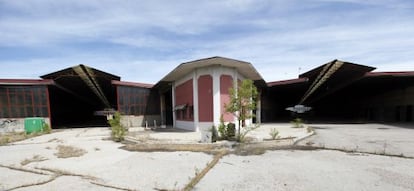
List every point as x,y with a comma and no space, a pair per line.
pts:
296,140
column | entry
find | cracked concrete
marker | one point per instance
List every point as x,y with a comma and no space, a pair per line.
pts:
106,167
373,138
103,167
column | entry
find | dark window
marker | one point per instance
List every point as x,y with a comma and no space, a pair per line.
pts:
132,100
23,101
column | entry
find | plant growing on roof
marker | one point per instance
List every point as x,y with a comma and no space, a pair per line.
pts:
117,130
242,102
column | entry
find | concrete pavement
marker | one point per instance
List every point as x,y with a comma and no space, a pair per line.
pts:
391,139
105,166
310,171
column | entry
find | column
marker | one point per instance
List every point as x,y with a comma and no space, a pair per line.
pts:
216,95
173,101
195,100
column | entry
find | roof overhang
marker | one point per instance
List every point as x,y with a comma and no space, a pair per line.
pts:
390,74
244,68
287,82
25,82
131,84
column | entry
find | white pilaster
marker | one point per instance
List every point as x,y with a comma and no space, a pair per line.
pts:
195,100
259,108
173,102
235,85
216,95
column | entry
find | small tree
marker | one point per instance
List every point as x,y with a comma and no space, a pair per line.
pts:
222,128
117,130
242,102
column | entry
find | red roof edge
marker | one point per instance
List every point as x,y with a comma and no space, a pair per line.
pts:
286,82
26,82
134,84
374,74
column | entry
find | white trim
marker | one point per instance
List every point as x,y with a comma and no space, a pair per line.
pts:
195,100
205,126
184,79
235,84
216,96
187,125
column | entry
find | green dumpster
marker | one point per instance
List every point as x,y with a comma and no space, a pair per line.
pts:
34,124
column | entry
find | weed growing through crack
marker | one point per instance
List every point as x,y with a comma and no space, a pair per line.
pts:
13,137
35,158
69,151
196,171
297,123
274,133
309,129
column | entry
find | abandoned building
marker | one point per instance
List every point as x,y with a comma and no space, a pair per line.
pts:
193,95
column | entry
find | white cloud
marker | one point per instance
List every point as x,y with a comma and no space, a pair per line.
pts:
144,40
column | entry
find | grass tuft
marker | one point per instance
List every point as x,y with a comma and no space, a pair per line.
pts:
69,151
35,158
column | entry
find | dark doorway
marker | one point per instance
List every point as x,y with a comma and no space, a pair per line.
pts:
409,113
397,113
168,108
78,92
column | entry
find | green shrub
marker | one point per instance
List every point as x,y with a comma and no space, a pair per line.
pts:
222,128
46,128
231,130
274,133
242,135
297,123
118,131
214,134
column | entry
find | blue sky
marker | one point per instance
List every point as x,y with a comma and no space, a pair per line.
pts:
142,41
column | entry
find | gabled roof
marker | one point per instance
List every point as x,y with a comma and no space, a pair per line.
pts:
25,82
70,72
331,77
85,83
244,68
346,66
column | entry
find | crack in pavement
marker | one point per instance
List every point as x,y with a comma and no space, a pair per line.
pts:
24,170
201,174
54,174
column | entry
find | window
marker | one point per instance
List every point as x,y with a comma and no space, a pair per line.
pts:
132,100
184,112
23,101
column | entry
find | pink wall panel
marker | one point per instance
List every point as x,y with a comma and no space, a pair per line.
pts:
226,82
184,95
205,98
